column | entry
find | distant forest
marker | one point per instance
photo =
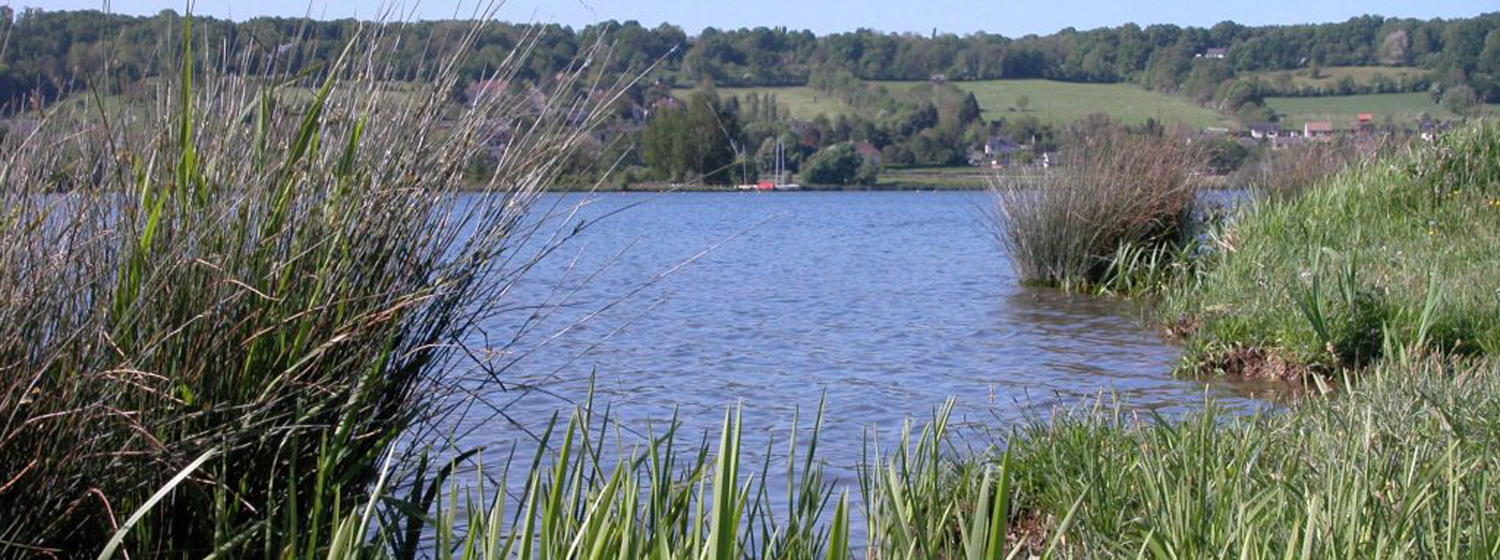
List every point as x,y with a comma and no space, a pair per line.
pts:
658,134
49,52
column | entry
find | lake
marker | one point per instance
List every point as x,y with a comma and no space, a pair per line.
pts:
887,303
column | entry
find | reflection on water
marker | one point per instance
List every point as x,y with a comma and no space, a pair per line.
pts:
887,303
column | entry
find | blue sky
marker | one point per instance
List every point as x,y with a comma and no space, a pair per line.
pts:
1007,17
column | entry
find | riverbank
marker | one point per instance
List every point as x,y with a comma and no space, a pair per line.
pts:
1400,464
1375,288
897,179
1397,253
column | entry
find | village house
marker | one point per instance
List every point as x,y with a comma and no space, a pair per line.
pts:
1262,131
998,152
1217,52
667,103
1427,130
1364,123
1317,130
868,152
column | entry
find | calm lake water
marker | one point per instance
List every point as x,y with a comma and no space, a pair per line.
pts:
887,303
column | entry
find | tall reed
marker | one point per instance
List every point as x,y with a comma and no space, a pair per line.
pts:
247,291
1064,227
1289,173
660,499
1398,465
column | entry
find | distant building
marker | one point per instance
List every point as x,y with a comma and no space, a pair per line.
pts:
1217,52
667,103
998,145
1262,131
1428,130
1364,122
868,152
998,152
938,78
1317,130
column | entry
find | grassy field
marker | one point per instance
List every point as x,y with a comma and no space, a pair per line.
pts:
1051,102
936,178
803,102
1064,102
1329,77
1403,108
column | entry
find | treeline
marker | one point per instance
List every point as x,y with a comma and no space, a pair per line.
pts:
46,51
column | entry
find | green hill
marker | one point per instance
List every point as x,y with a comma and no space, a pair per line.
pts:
1403,108
803,102
1328,78
1049,101
1065,102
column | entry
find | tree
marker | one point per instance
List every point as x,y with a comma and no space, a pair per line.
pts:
1023,102
1489,58
969,111
1394,49
840,164
1460,99
694,142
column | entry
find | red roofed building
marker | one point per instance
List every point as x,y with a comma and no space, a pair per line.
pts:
868,151
1317,130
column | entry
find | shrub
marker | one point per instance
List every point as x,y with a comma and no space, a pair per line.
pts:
1110,191
839,164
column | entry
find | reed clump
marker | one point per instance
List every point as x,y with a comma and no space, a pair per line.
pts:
1111,192
219,311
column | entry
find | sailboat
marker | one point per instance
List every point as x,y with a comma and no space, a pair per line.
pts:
775,184
781,170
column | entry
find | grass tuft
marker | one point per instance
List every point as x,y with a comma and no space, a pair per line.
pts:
1116,202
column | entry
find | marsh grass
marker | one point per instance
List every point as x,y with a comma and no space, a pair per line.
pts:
1398,465
219,311
1289,173
1395,254
1113,195
660,499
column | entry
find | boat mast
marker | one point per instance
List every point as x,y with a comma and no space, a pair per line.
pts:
779,162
